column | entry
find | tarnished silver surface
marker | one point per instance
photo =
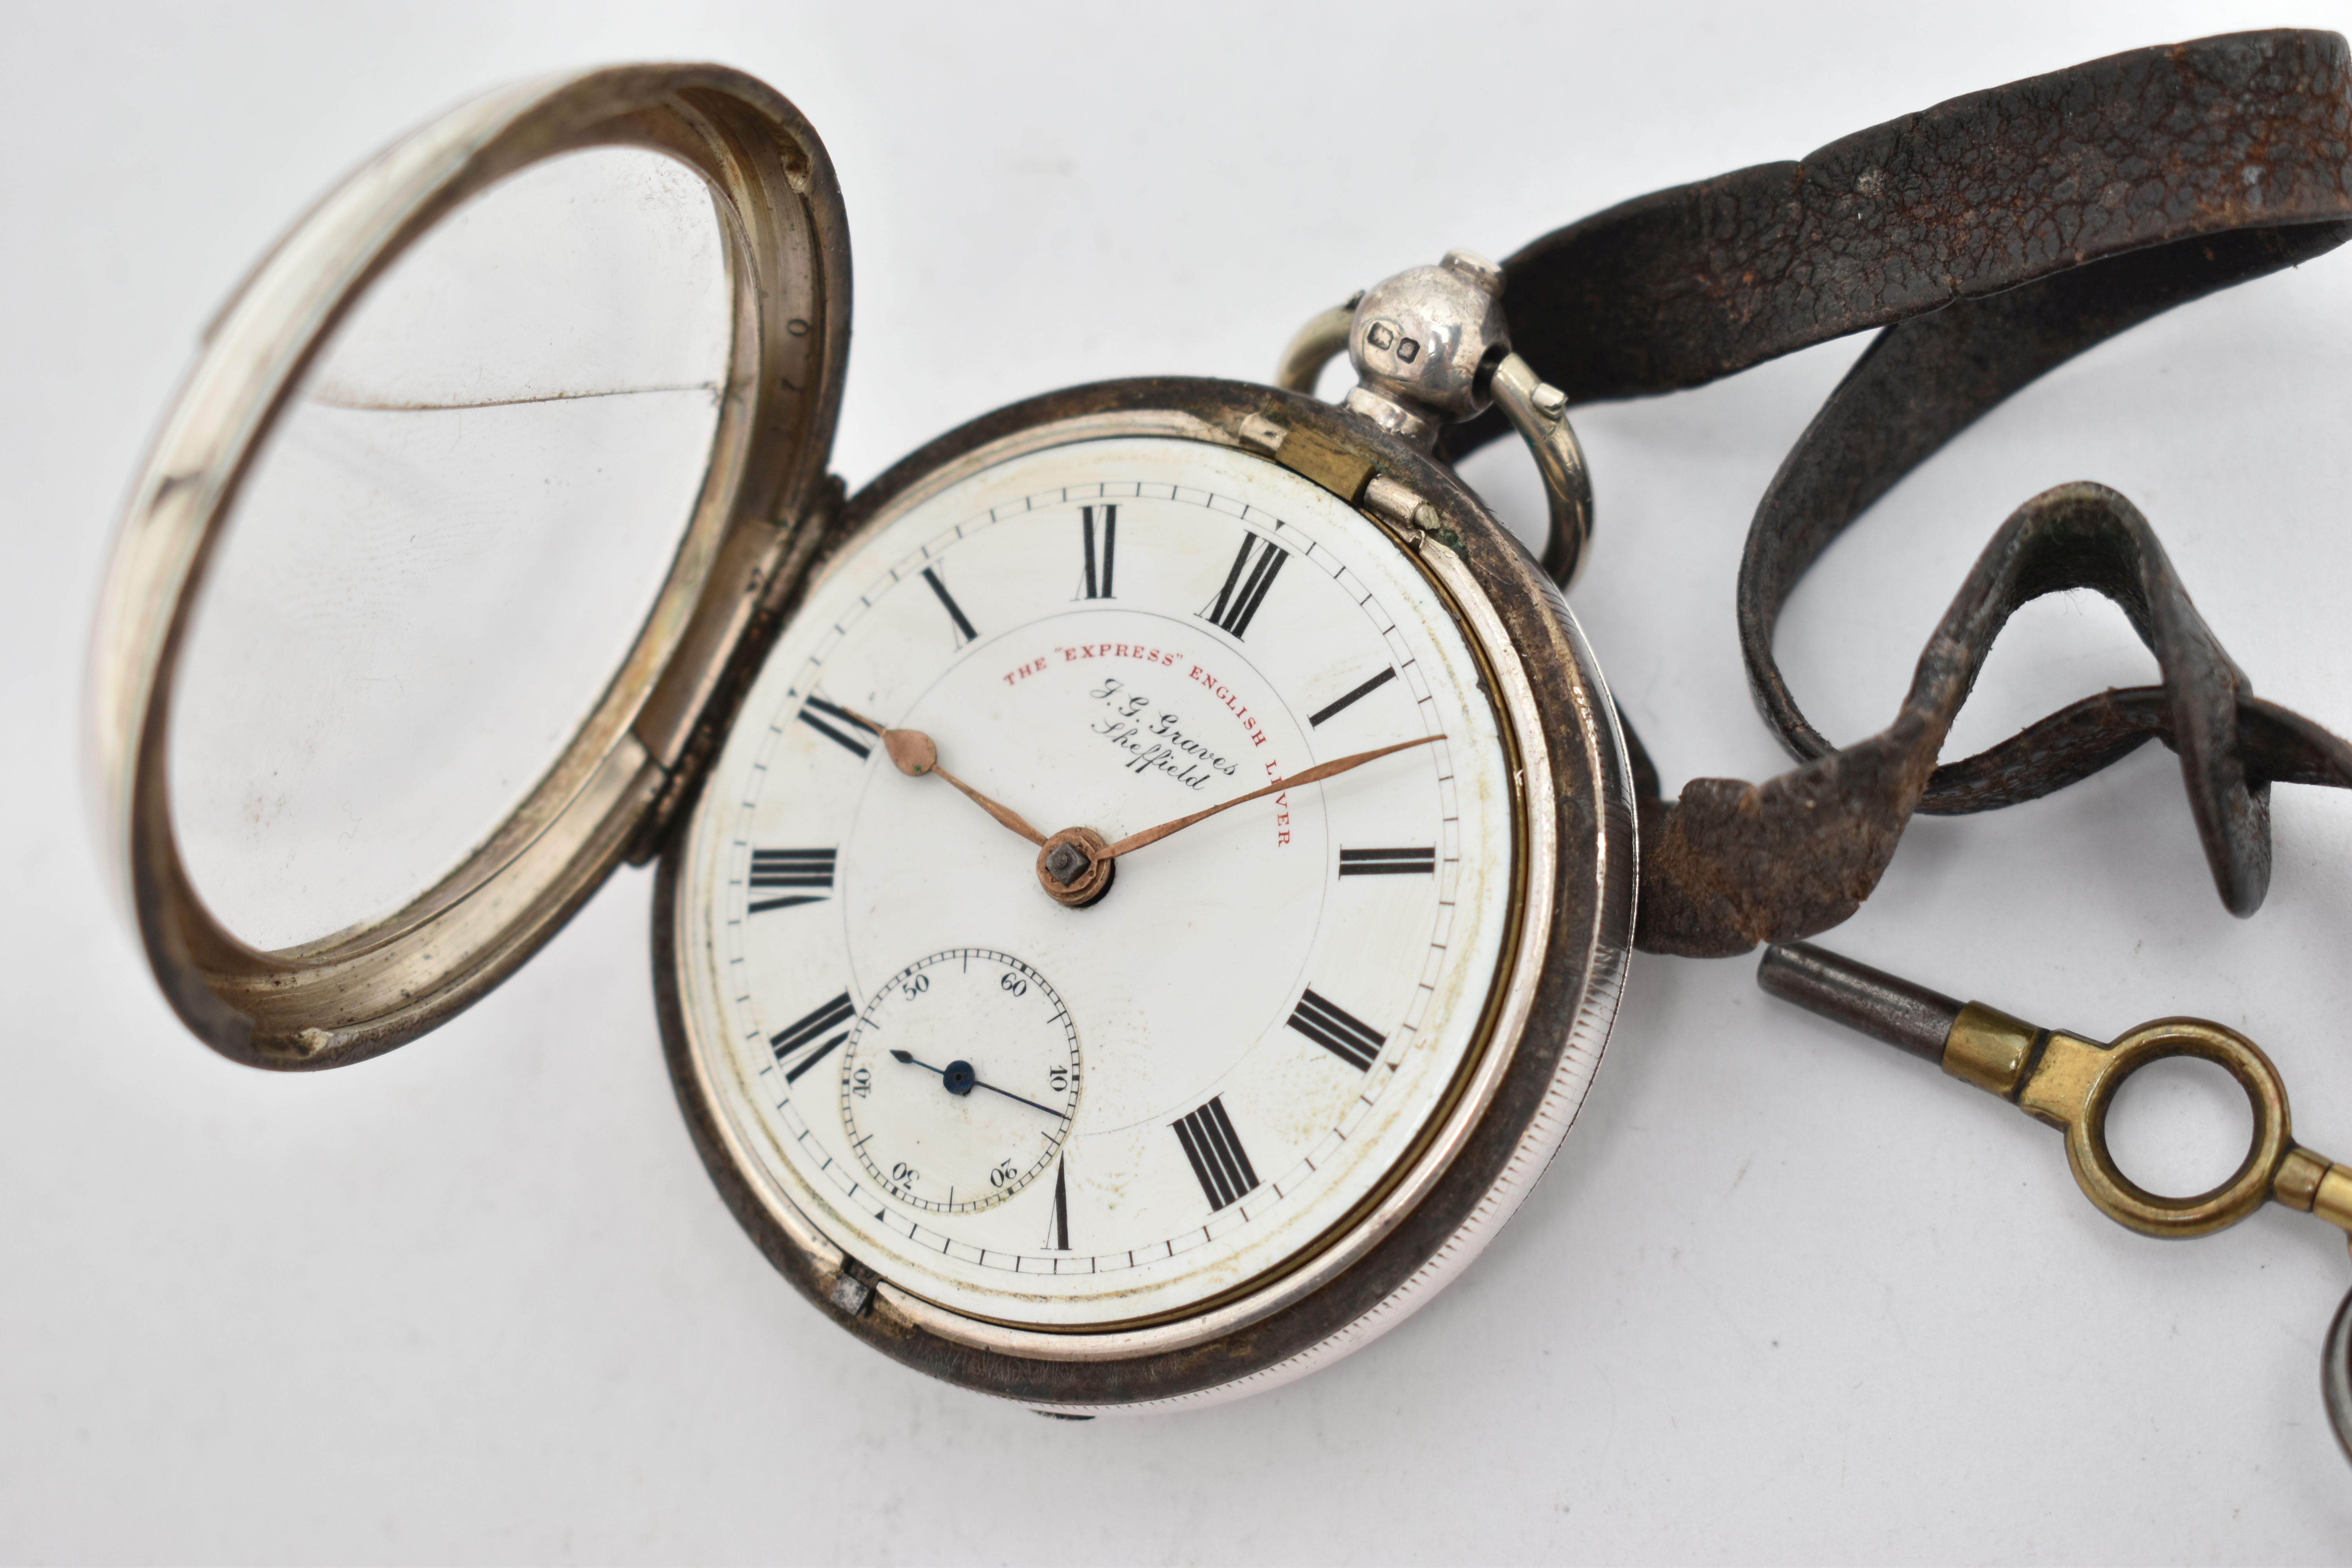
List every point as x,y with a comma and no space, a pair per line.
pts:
1430,349
1423,342
1400,505
368,989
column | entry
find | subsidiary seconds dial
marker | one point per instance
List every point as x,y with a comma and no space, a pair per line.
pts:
959,1084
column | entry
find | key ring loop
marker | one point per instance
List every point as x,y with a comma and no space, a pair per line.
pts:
2124,1200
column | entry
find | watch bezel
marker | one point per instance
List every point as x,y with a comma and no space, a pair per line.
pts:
346,995
1548,1020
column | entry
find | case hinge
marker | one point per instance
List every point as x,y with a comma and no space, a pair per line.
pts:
1309,456
757,594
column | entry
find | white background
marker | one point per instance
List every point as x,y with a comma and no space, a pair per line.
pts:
1786,1295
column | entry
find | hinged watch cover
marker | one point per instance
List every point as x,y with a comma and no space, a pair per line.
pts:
785,236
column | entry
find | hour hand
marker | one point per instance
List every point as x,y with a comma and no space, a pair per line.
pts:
914,754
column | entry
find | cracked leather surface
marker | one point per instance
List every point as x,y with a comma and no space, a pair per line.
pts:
1992,236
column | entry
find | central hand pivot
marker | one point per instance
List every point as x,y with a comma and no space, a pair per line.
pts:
1074,868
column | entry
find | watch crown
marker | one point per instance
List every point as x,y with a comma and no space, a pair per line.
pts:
1423,342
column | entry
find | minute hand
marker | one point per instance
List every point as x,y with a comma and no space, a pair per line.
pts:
1315,775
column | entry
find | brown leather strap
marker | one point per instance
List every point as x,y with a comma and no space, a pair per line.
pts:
1994,237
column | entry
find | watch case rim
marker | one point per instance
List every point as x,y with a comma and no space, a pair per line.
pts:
1536,1084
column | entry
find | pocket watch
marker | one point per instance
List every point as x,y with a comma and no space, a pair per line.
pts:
1144,885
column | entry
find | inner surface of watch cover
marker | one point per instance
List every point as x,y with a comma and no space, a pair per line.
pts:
460,509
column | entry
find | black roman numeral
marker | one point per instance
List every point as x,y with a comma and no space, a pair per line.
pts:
1215,1151
1237,601
1098,560
1342,1033
842,728
801,1046
773,869
1060,1235
1387,862
1366,689
964,633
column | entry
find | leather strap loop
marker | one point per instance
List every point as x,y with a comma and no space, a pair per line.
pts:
1968,199
1995,236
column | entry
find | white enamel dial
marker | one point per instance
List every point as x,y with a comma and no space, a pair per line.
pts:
1130,1112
